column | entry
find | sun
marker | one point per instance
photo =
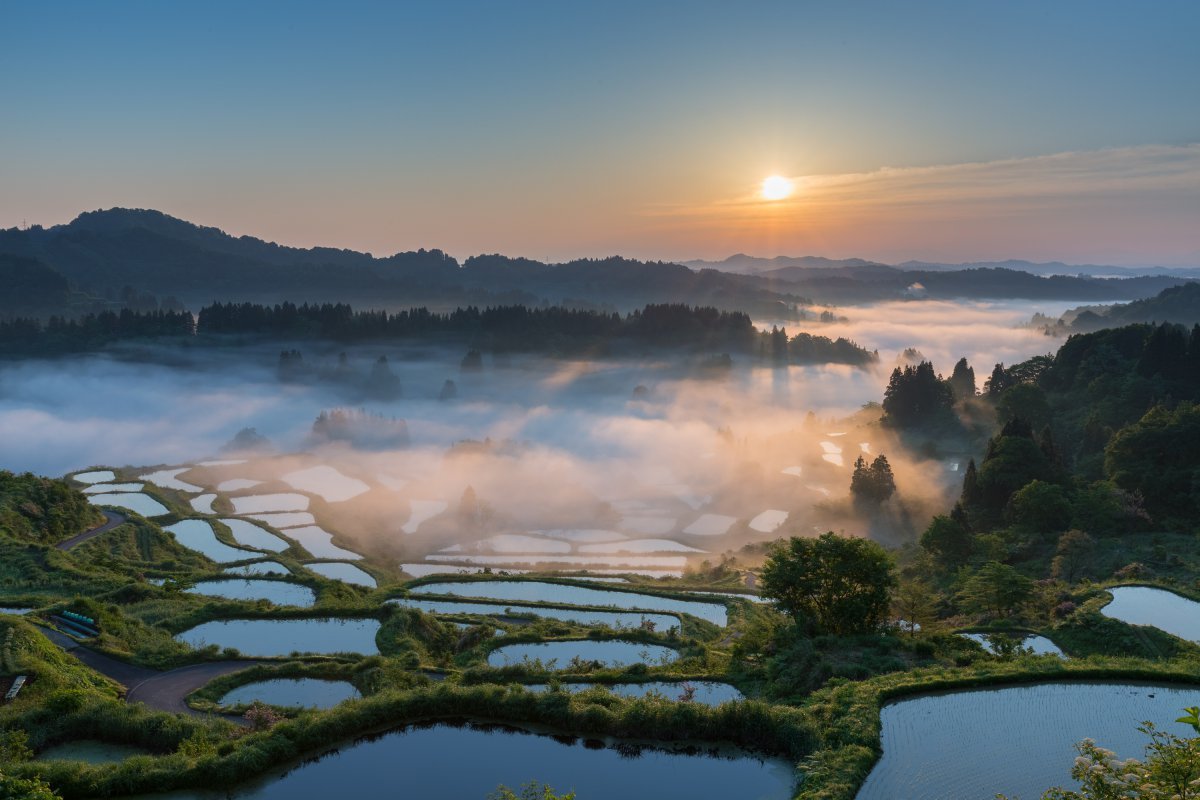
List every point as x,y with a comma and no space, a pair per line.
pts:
776,187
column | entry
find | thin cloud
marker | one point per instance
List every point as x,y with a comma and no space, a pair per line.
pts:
1152,168
1134,205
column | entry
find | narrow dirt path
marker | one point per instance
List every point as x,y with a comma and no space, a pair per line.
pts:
164,691
167,690
111,520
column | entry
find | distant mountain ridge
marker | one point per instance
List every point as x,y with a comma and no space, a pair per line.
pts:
101,252
754,265
1056,268
751,265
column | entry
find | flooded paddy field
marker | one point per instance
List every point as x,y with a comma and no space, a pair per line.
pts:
707,693
538,591
1145,605
966,745
613,619
430,762
292,692
281,593
613,652
281,637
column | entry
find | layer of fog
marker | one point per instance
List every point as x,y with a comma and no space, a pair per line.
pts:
708,463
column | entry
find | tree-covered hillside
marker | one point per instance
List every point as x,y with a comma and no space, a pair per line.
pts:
1178,304
29,285
42,510
103,251
1093,473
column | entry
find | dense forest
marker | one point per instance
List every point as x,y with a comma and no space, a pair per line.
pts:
1095,465
26,337
30,285
505,328
1178,304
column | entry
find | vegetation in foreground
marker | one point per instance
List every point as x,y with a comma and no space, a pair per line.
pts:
1074,492
1170,769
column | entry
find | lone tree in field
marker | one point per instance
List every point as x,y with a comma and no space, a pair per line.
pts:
831,584
871,486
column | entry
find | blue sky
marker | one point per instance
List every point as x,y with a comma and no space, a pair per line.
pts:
571,128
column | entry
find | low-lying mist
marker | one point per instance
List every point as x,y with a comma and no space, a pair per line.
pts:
641,462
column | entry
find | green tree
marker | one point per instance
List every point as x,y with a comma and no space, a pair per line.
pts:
1158,457
962,380
1024,401
915,603
994,386
1013,460
14,788
1165,352
529,791
971,495
1074,556
871,486
995,590
830,584
948,541
1102,509
1041,507
917,396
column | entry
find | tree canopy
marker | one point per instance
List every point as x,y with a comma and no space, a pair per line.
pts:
871,486
916,396
831,584
1159,457
41,509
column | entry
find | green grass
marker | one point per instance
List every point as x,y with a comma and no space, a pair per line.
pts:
208,757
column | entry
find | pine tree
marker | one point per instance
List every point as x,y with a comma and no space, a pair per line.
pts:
999,381
860,480
1192,361
872,485
882,478
971,496
916,396
962,380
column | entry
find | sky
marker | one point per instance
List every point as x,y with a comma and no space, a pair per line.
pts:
944,131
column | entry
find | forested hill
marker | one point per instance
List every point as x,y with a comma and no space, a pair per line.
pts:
874,282
1111,421
30,286
1093,475
1180,304
552,330
102,252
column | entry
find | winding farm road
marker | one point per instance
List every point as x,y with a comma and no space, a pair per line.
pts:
164,691
111,520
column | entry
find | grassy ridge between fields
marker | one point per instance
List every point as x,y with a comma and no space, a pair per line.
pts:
834,737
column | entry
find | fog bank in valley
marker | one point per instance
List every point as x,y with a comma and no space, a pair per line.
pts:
568,461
